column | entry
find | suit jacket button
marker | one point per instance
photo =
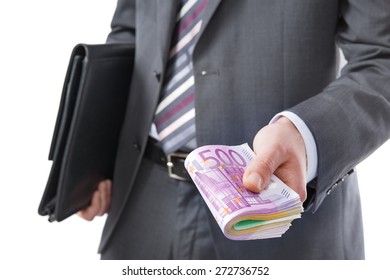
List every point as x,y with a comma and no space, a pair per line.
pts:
157,75
136,147
203,73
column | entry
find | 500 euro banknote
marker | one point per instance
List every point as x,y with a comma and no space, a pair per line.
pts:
217,171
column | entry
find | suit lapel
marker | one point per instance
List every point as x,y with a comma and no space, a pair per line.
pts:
211,6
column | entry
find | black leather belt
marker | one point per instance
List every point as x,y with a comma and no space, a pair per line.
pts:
174,162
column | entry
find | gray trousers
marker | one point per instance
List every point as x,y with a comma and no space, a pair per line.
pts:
164,218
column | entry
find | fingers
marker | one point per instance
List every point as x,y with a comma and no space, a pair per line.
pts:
293,176
100,202
279,150
105,197
269,156
259,171
91,211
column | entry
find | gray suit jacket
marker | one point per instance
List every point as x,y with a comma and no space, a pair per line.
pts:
254,59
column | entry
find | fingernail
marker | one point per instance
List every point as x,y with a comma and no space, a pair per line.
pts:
255,180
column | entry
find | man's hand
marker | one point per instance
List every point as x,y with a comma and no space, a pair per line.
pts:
279,150
100,203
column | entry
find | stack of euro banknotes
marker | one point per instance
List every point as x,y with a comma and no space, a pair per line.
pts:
217,172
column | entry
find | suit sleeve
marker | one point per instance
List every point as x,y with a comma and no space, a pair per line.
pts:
350,118
123,23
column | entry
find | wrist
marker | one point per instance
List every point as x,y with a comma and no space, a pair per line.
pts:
295,140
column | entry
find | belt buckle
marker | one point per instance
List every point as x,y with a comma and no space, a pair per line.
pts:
171,160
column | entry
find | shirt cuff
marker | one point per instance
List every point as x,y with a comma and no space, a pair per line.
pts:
310,144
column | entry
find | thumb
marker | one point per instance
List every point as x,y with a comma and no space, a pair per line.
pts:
259,171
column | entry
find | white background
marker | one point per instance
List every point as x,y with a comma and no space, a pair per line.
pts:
36,40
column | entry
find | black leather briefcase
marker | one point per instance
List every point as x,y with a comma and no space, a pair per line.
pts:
89,121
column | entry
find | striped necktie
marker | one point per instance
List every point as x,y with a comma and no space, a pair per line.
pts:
175,114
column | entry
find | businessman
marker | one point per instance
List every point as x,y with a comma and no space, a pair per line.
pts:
262,72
